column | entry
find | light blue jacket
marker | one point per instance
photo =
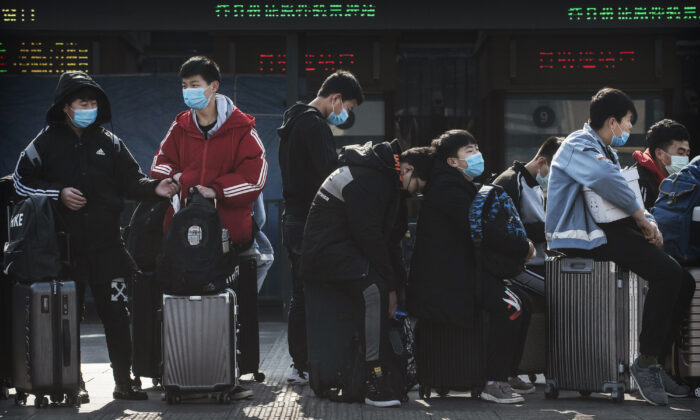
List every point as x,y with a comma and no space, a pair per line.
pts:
582,161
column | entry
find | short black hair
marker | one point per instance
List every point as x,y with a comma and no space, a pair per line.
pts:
345,83
662,134
422,159
202,66
609,102
451,141
549,148
87,93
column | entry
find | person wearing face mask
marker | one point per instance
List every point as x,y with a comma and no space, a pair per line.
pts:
526,184
352,240
307,155
444,286
668,151
214,147
89,172
586,158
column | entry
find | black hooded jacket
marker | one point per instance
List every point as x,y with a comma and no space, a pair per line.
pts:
442,283
357,219
306,155
97,163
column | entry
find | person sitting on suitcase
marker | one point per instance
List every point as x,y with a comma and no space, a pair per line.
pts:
586,159
214,148
526,184
444,283
89,171
350,241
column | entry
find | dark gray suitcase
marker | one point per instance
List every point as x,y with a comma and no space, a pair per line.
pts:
199,346
46,342
593,321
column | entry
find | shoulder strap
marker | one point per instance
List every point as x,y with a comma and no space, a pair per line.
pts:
115,140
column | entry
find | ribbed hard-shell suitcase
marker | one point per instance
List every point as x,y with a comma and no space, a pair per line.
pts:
46,342
199,346
145,302
449,358
593,321
689,352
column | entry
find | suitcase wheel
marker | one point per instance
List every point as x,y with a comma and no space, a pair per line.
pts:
224,398
532,377
74,401
156,382
442,392
585,393
4,393
696,392
476,392
172,398
618,395
20,398
57,398
259,376
136,381
41,401
551,392
424,392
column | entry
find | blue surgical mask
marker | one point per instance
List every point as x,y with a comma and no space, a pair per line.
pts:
620,141
677,163
338,119
475,166
195,98
84,117
542,180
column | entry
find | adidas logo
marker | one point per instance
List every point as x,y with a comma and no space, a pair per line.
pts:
100,152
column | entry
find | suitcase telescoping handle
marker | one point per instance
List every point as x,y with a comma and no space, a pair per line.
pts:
576,265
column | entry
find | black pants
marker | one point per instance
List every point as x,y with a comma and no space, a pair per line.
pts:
99,270
509,310
671,287
292,234
375,301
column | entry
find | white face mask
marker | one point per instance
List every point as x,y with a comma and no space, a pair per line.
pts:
677,163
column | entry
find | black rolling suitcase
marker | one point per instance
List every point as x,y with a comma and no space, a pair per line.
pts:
145,302
449,358
593,321
334,328
246,289
46,342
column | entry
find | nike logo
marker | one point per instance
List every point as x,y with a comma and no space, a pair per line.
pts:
100,152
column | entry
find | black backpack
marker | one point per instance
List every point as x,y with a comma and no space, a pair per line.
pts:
32,253
193,260
144,235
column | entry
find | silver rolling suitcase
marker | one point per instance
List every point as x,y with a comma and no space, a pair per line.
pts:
593,321
199,346
46,342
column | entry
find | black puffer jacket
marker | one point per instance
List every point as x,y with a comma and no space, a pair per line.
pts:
357,219
442,284
97,163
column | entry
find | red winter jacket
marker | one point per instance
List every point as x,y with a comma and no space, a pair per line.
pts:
232,161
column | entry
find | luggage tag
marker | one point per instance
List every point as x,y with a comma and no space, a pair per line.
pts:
119,290
175,201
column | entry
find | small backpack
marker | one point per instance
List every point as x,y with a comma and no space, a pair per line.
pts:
493,205
144,235
193,260
679,194
32,253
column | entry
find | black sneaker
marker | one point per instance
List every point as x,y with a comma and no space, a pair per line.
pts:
129,392
378,394
649,381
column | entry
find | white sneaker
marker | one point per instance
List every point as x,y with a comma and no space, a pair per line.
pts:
298,377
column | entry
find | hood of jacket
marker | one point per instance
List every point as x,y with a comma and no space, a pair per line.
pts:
292,115
645,160
69,83
228,117
383,156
